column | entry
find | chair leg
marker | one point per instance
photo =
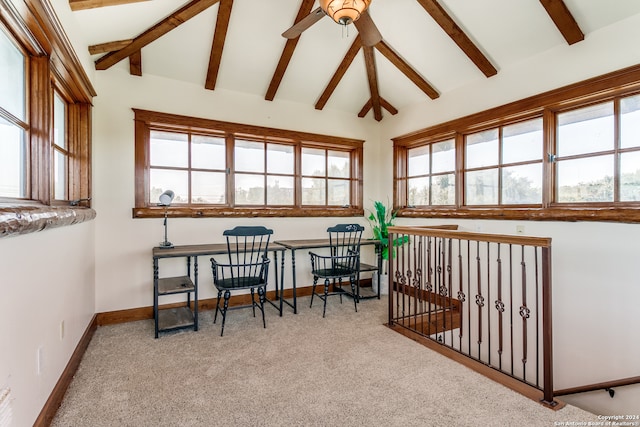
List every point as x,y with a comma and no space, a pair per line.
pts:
313,290
227,295
215,317
253,302
326,294
353,290
261,296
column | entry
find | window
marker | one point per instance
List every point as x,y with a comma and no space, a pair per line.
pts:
504,165
218,168
592,165
45,123
431,174
13,126
60,146
570,154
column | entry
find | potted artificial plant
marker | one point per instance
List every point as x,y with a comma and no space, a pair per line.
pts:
380,219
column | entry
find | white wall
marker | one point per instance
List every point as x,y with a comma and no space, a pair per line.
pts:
595,278
47,279
123,244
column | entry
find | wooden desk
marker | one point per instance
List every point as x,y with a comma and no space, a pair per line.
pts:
183,317
294,245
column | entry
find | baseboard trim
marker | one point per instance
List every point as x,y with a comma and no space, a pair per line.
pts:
50,408
145,313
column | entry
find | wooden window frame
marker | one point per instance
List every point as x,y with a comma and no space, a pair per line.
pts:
608,87
145,121
51,64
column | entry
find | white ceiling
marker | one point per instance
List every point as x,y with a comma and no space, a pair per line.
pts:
507,31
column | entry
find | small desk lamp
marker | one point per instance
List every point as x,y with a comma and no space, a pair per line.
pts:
165,200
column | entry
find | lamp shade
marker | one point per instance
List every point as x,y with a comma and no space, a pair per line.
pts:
166,198
344,12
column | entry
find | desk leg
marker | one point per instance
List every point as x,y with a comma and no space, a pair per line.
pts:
155,293
195,293
293,270
281,282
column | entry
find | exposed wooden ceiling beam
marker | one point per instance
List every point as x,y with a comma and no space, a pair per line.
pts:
135,63
287,53
219,37
456,33
383,103
372,75
92,4
564,20
109,47
387,106
406,69
337,76
172,21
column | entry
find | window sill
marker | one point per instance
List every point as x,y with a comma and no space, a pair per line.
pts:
244,212
603,214
29,217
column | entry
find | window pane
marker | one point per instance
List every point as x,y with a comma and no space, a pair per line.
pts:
630,177
249,189
13,161
12,78
418,161
59,132
60,176
313,162
162,180
338,192
585,180
279,158
482,149
630,121
208,152
443,190
522,184
444,156
313,191
338,164
522,141
418,191
169,149
249,156
482,187
280,190
208,188
587,130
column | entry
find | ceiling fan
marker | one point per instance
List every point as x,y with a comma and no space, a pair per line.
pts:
344,12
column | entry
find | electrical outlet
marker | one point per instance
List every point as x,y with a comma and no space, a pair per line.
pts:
61,330
520,229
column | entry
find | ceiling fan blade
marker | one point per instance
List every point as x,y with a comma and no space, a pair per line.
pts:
368,30
306,22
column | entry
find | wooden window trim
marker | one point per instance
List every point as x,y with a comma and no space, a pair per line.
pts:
50,60
613,85
145,120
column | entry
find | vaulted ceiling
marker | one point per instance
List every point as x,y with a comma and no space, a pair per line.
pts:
409,51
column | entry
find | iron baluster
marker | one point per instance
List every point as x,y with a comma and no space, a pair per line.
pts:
524,313
500,308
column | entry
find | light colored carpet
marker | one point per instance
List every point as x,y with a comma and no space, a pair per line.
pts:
347,369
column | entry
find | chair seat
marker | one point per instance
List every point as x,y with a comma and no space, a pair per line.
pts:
239,283
333,273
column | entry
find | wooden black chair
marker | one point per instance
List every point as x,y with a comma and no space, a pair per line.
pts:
247,268
342,262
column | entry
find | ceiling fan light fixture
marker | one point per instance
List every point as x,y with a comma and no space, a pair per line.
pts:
344,12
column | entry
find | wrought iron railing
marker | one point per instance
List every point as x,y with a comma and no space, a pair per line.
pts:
484,296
